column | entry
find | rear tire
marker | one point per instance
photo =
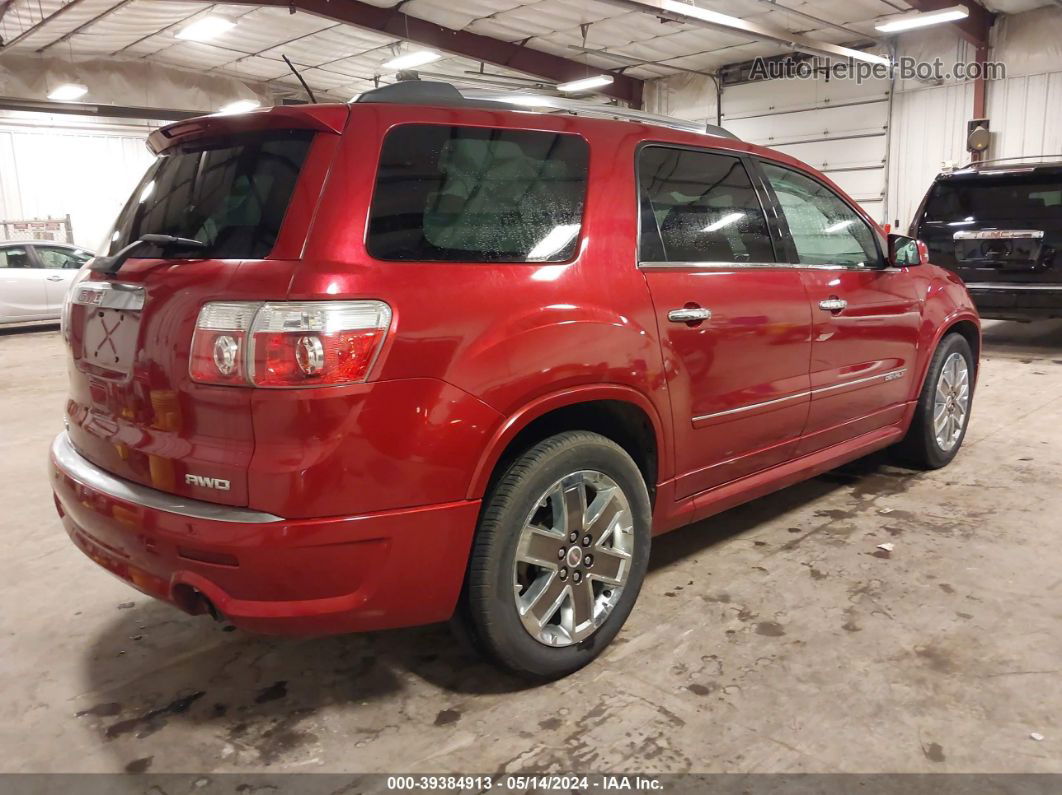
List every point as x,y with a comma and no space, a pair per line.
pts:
559,556
943,410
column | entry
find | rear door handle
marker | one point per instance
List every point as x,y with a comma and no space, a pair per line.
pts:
833,304
689,315
55,278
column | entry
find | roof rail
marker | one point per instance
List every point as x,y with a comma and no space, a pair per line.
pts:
426,92
1010,160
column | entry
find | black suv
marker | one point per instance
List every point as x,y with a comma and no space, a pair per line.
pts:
998,225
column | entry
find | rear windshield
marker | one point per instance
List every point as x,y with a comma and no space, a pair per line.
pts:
232,196
470,194
1006,198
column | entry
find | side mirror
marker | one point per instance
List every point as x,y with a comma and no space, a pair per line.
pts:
906,251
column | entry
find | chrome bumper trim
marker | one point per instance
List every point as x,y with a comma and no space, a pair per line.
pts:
77,468
1004,287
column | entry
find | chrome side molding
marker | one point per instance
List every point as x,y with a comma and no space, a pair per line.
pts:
891,375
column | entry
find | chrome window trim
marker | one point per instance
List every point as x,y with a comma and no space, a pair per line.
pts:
973,286
890,375
73,465
751,265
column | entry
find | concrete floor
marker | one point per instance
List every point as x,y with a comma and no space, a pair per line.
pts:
773,638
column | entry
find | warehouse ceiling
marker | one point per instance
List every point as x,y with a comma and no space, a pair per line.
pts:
340,59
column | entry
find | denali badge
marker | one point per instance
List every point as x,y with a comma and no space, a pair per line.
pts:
207,483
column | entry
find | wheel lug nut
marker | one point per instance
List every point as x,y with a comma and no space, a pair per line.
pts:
561,553
588,561
586,540
572,536
577,576
563,573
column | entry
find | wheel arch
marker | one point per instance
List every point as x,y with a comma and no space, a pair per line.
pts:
969,327
619,413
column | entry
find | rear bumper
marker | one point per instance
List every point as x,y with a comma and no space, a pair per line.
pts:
263,572
1004,301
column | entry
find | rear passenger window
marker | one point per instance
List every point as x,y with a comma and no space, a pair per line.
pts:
471,194
699,207
825,230
14,257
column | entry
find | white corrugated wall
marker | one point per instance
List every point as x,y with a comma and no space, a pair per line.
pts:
840,127
51,166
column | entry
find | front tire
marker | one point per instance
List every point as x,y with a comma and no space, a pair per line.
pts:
943,411
559,556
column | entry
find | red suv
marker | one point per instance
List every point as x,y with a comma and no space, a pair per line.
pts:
354,367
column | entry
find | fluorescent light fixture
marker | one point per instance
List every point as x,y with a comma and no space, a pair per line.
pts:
869,57
241,106
411,60
68,92
726,220
687,12
922,19
559,237
206,28
585,84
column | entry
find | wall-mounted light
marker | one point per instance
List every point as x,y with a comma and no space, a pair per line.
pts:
411,60
923,19
585,84
68,92
241,106
206,28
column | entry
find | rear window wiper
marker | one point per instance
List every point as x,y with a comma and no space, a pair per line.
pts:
112,263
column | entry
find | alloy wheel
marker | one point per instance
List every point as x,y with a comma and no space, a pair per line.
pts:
951,402
573,558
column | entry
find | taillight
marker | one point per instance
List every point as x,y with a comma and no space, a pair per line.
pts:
288,344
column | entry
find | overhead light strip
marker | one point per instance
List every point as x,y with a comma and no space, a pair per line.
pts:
687,12
923,19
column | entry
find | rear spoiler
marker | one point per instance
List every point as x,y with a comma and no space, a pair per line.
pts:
321,118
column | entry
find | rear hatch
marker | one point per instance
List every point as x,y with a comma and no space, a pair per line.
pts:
246,187
999,226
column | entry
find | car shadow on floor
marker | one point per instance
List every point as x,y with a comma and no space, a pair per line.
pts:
1040,339
14,331
153,665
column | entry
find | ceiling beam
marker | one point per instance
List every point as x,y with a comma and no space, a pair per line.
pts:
459,42
41,23
974,28
106,13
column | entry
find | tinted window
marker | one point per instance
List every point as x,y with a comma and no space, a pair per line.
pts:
824,228
987,199
15,257
470,194
699,207
231,196
59,257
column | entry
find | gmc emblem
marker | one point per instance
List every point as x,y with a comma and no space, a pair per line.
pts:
207,483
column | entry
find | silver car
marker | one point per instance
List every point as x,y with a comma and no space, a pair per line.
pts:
34,277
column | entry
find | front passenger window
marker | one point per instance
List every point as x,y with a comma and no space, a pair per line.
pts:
825,230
